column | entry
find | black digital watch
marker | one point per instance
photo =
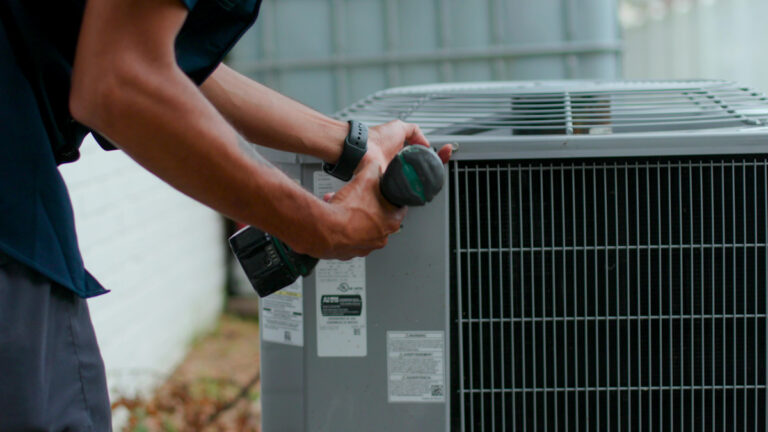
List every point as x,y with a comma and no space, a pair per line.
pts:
355,146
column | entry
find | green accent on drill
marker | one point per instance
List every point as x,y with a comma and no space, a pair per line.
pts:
303,270
279,246
413,179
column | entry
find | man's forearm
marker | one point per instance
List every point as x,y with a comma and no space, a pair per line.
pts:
268,118
196,152
151,110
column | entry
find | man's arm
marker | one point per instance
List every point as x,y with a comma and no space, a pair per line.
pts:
271,119
126,85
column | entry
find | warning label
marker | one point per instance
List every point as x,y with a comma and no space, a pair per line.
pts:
282,317
416,366
340,293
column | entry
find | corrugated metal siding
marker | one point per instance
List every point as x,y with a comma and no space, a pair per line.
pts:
329,53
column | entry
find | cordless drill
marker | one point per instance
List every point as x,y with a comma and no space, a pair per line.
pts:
413,178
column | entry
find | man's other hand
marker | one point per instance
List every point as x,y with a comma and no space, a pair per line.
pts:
385,140
363,219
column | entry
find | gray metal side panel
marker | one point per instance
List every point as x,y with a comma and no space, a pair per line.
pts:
282,387
282,366
406,288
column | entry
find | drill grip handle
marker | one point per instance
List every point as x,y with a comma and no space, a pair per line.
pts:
414,176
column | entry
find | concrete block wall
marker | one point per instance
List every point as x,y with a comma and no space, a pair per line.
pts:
161,253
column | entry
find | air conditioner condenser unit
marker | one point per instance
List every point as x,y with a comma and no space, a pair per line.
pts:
596,262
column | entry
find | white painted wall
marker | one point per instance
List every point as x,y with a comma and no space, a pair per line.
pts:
722,39
162,255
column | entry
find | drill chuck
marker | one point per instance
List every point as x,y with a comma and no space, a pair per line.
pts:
413,177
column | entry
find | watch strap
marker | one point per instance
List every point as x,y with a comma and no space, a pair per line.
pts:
355,146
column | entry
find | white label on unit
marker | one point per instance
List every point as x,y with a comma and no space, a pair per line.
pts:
282,315
340,294
416,366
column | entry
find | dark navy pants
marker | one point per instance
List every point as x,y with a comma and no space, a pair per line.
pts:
51,372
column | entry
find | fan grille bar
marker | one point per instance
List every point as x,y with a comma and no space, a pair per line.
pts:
516,109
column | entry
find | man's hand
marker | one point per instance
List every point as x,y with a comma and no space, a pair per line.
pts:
385,140
366,218
363,219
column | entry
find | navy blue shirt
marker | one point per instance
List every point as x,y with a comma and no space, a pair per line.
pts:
37,132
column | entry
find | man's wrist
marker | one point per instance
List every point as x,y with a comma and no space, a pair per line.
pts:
355,147
332,143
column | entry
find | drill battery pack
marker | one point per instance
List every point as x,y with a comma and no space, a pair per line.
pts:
268,263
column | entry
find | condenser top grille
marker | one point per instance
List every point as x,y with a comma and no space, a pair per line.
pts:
567,108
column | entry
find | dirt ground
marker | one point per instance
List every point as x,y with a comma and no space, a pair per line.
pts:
215,389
